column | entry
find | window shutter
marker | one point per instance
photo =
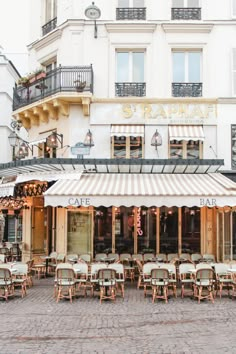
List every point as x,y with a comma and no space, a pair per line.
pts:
234,72
233,8
123,3
138,3
178,3
193,3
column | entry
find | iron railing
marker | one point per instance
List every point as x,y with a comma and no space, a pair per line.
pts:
123,89
49,26
63,78
186,13
186,89
131,13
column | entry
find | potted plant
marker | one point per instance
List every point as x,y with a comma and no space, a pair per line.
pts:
23,81
80,85
37,75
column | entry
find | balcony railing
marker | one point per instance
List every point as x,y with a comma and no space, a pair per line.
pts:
186,13
131,13
186,89
63,78
124,89
49,26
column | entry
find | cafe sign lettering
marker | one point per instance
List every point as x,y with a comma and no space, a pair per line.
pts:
169,111
73,201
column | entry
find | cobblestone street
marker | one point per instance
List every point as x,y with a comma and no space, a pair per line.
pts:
37,324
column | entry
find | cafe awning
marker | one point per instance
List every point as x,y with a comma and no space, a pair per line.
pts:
127,130
7,189
186,132
148,190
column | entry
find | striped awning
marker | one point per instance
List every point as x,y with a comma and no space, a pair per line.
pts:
48,176
143,189
7,189
127,130
186,132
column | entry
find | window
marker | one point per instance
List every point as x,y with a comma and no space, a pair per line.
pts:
130,73
127,147
233,146
234,71
50,10
185,142
130,3
50,16
184,149
185,3
130,66
187,73
234,8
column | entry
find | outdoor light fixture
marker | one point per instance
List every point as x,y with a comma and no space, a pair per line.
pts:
88,141
156,140
93,13
53,139
16,124
13,139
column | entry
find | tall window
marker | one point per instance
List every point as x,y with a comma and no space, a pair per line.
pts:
130,3
130,66
187,66
50,10
185,3
185,149
234,71
234,8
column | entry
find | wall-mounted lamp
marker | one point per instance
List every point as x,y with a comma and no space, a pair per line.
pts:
24,149
53,139
156,140
93,13
16,124
88,141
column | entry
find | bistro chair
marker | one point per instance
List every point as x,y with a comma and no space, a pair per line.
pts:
6,283
204,284
72,258
172,276
186,277
19,277
65,283
161,257
172,257
2,258
159,281
147,268
208,257
81,276
185,257
99,257
148,257
85,257
38,268
114,256
95,267
196,257
223,278
107,284
120,277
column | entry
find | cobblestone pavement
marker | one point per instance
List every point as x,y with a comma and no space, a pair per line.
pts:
37,324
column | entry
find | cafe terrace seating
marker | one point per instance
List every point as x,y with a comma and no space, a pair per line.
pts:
159,281
186,278
120,277
6,283
107,284
81,276
19,277
204,284
224,279
65,282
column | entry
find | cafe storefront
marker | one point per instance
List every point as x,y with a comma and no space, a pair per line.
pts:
136,213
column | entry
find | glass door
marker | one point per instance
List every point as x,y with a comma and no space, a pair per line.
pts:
79,232
225,238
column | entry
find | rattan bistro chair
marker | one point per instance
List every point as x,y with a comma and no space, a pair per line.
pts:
65,283
107,284
159,284
6,283
204,284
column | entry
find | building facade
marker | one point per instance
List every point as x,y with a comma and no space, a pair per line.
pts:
130,108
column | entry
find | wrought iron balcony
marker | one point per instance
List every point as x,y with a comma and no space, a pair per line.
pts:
49,26
186,89
124,89
131,13
186,13
61,79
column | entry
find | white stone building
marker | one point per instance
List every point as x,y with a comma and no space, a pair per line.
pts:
122,70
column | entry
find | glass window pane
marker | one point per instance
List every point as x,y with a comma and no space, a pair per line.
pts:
48,7
122,67
178,67
119,147
168,230
194,67
193,3
193,151
138,3
191,230
135,147
138,67
146,229
78,232
176,149
178,3
124,230
103,230
123,3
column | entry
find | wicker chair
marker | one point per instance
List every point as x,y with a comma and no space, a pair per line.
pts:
107,284
6,283
159,284
65,283
204,284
